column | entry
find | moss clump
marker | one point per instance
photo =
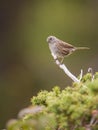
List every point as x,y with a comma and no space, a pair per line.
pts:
73,108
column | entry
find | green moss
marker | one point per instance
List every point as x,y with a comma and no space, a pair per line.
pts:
93,86
67,109
87,77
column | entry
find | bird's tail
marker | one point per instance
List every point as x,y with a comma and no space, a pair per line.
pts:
82,48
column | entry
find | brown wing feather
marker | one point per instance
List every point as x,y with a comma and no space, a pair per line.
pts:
65,44
64,48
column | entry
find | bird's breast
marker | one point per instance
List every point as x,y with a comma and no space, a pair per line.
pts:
54,50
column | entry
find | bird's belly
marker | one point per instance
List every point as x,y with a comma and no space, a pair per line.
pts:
54,50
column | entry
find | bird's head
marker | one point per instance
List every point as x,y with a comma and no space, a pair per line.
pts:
51,39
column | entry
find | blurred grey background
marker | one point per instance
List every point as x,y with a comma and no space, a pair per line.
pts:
26,65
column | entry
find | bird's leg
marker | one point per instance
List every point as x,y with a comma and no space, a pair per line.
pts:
56,58
62,59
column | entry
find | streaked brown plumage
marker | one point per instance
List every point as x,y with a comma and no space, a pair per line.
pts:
60,49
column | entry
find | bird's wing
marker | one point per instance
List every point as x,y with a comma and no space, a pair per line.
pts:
64,47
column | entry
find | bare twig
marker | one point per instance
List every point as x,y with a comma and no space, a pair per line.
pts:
81,74
90,70
64,68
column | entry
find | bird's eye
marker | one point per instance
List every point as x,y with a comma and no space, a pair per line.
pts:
50,38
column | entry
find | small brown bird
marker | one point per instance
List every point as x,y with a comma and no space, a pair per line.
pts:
60,49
